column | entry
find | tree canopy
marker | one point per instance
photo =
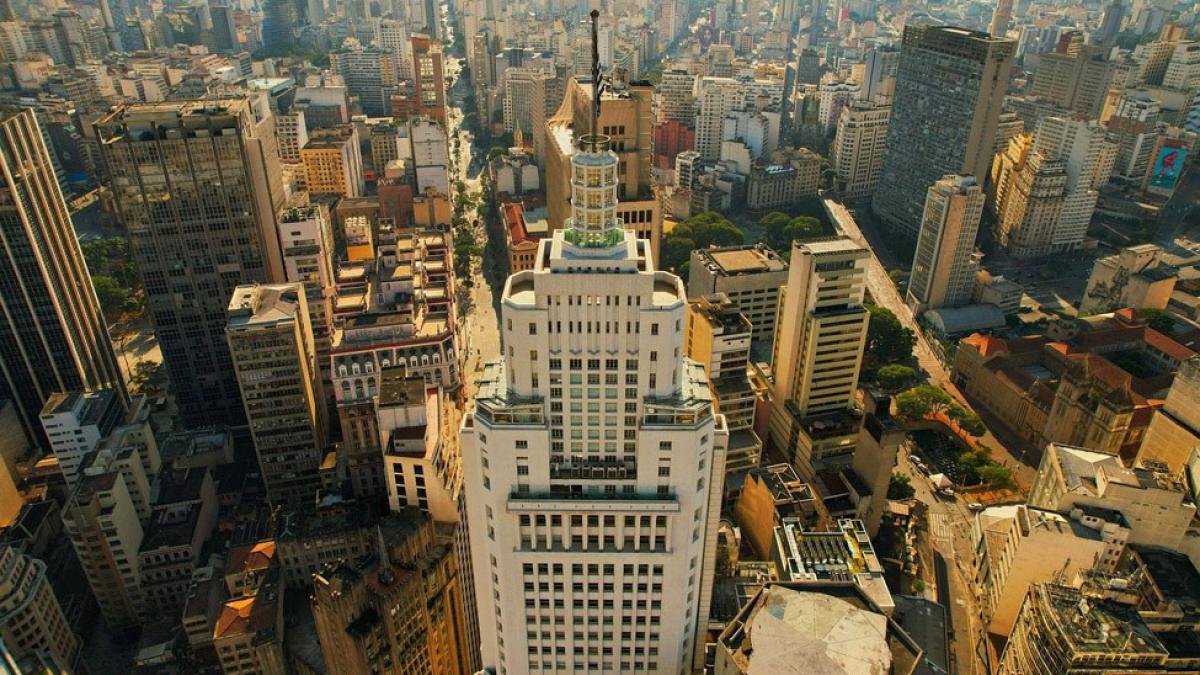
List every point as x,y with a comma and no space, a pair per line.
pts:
779,230
700,231
888,340
900,487
895,376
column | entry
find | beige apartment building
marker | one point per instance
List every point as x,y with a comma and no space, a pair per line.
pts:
718,337
1174,431
943,270
333,163
818,351
750,276
1134,277
859,147
271,343
31,620
1029,198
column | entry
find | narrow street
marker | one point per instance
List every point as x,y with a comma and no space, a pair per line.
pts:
482,334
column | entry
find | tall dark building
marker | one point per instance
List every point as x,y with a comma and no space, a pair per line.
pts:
1110,25
196,185
279,26
224,30
949,88
52,336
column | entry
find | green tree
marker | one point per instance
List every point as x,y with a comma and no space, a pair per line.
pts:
112,295
922,400
900,487
779,230
700,231
1158,319
997,476
967,420
148,378
888,340
895,376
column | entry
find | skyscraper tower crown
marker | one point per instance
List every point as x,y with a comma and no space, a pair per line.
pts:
594,222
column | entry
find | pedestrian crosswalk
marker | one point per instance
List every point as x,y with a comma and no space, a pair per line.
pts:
939,524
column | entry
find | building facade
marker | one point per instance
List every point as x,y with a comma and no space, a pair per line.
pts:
210,169
943,270
859,147
594,457
271,344
949,88
31,620
53,337
750,276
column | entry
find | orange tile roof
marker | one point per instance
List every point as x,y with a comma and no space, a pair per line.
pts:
252,557
245,615
1166,345
986,345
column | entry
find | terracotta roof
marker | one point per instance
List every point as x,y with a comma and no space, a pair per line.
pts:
986,345
245,615
1167,346
252,557
514,219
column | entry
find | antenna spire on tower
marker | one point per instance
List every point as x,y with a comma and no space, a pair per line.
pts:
596,77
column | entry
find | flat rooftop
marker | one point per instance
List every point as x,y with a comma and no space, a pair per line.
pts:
737,260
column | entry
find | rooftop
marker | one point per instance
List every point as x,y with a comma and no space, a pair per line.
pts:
263,305
804,628
397,388
738,260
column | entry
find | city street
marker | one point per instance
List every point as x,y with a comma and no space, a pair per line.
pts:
482,334
950,532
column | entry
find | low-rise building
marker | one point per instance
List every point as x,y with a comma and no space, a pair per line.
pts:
843,555
770,495
1093,382
1154,504
306,541
523,229
784,181
789,628
1174,431
1016,546
1135,277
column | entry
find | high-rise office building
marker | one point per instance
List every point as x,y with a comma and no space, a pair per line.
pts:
949,88
943,269
879,76
749,275
278,26
271,344
677,99
1078,82
1028,189
429,85
369,74
859,147
31,620
819,343
75,422
104,517
1110,23
594,457
52,335
307,239
196,185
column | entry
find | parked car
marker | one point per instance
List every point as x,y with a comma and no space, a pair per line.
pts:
975,506
947,492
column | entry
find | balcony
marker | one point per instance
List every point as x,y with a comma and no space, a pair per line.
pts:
495,405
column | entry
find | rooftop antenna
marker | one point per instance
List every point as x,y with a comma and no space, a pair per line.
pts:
596,76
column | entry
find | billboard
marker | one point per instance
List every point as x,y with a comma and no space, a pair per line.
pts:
1167,168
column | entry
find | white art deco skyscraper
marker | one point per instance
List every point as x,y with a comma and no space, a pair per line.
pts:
593,459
